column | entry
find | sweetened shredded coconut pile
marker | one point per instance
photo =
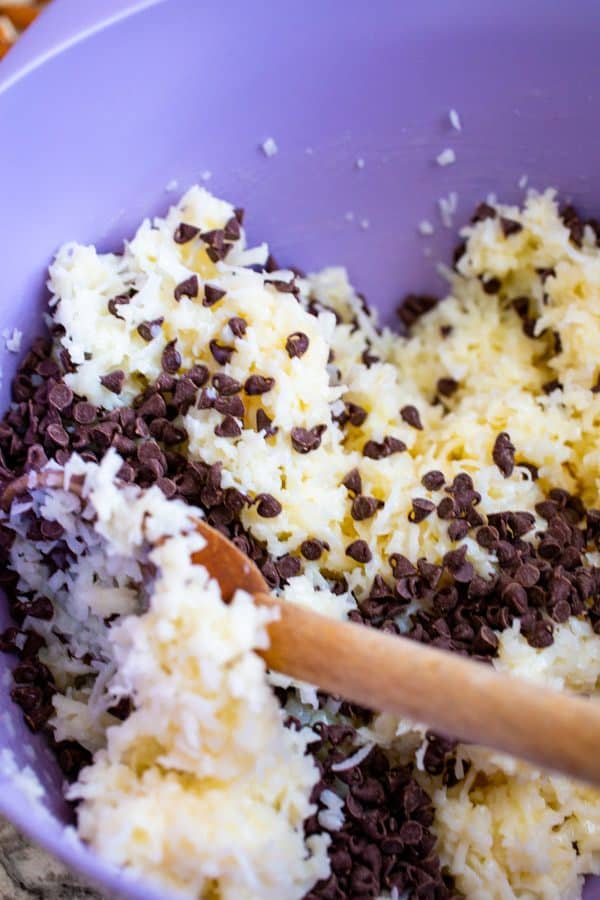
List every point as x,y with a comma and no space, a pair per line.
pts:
440,484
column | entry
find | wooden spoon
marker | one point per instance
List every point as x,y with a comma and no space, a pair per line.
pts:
454,695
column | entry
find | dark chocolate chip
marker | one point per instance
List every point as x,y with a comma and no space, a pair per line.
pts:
421,508
503,454
114,303
114,381
264,423
228,428
414,306
312,549
353,481
185,233
238,326
492,285
60,395
267,506
482,212
458,529
296,344
447,386
212,295
151,329
410,415
305,440
433,480
364,507
359,551
383,449
221,352
258,384
509,226
187,288
225,384
171,358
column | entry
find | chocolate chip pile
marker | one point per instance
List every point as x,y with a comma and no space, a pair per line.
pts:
386,840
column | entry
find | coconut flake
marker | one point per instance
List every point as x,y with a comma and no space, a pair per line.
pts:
455,120
446,158
269,147
355,759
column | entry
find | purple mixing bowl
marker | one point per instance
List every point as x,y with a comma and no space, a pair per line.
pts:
104,103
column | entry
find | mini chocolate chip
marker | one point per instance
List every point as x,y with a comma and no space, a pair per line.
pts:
359,551
458,529
238,326
212,295
114,381
60,395
228,428
541,635
225,384
387,447
482,212
447,386
549,386
221,352
357,415
296,344
113,305
267,506
487,537
264,423
232,229
414,306
527,575
151,329
84,413
433,480
288,566
198,374
185,233
305,440
509,226
421,508
185,391
187,288
364,507
446,508
561,611
455,562
353,481
230,406
311,549
258,384
153,408
171,358
515,596
58,435
492,286
503,454
486,641
410,415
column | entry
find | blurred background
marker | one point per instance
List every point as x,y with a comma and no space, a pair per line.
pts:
14,19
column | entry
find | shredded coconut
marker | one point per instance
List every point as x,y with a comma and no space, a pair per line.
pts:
269,147
426,228
455,120
12,339
446,158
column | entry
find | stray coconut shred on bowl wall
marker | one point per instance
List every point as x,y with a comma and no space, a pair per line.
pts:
441,484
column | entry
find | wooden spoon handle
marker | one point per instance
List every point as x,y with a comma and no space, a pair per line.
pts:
453,695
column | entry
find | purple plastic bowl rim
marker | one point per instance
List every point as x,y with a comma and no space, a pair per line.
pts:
62,24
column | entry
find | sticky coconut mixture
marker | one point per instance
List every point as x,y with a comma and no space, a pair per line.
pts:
441,484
